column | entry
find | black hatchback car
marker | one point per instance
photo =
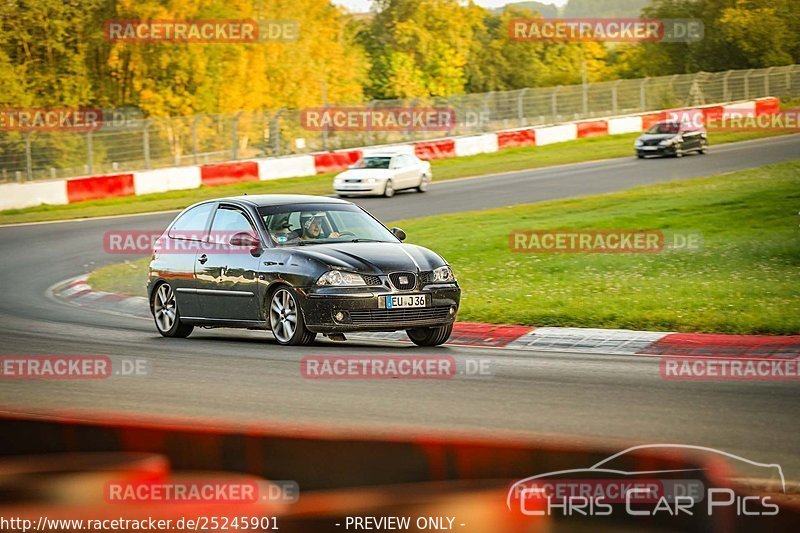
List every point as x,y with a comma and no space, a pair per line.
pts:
672,138
298,265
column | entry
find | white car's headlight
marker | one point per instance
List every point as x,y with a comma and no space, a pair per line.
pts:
371,180
340,279
443,275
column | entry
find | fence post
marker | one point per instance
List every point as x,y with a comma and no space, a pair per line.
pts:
766,80
194,137
554,101
643,95
146,142
368,136
235,129
747,84
90,158
726,96
521,107
614,95
276,132
325,128
28,156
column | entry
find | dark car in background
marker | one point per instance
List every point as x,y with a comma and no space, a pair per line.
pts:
672,138
299,266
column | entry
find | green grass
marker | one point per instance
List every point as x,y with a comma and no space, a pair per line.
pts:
745,280
505,161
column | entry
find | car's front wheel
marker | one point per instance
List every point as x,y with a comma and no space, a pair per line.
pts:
286,319
430,336
424,181
166,314
388,189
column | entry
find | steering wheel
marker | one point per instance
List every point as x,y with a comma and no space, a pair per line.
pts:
343,233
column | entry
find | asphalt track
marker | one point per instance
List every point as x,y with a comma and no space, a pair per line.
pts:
244,375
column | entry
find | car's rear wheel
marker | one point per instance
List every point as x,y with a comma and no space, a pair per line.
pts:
430,336
166,313
424,181
286,319
388,189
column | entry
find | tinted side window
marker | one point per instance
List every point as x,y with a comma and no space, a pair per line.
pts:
230,221
191,224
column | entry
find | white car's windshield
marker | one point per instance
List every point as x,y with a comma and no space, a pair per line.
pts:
374,162
301,224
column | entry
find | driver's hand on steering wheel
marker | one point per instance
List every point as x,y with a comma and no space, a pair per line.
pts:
334,234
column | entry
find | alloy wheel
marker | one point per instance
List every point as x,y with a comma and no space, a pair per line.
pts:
283,315
164,307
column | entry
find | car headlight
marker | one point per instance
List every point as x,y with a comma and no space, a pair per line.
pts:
371,180
340,279
443,275
638,143
667,142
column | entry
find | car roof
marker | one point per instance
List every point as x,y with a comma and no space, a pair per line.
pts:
264,200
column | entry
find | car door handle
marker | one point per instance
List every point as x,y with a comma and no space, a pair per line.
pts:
203,259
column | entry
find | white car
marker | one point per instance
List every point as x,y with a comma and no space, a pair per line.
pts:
383,173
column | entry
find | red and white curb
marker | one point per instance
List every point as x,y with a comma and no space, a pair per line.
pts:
77,291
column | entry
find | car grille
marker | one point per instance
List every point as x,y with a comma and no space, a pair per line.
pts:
404,281
651,142
395,316
372,280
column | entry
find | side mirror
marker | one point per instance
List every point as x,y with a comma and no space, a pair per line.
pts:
400,234
244,239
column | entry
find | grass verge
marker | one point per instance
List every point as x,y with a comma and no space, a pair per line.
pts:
512,159
744,281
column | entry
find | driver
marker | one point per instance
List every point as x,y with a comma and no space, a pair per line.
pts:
312,229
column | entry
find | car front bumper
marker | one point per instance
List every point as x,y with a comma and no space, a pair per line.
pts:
360,189
656,150
347,309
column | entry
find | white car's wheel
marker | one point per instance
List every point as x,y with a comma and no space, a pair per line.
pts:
388,189
424,181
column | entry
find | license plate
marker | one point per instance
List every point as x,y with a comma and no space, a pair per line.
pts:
405,300
649,147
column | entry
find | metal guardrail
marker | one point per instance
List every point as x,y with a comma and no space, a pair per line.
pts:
173,141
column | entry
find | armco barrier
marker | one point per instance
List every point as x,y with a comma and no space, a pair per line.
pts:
225,173
476,144
556,134
592,128
99,187
166,179
767,106
516,138
335,161
442,149
21,195
286,167
620,125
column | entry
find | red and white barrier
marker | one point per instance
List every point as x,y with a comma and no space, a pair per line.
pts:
335,161
556,134
166,179
286,167
99,187
226,173
476,144
21,195
620,125
516,138
440,149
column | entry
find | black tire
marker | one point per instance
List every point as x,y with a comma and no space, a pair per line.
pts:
703,149
166,314
639,156
424,181
388,189
430,336
281,305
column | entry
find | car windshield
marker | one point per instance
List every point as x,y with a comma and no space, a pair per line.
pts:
374,162
665,127
302,224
